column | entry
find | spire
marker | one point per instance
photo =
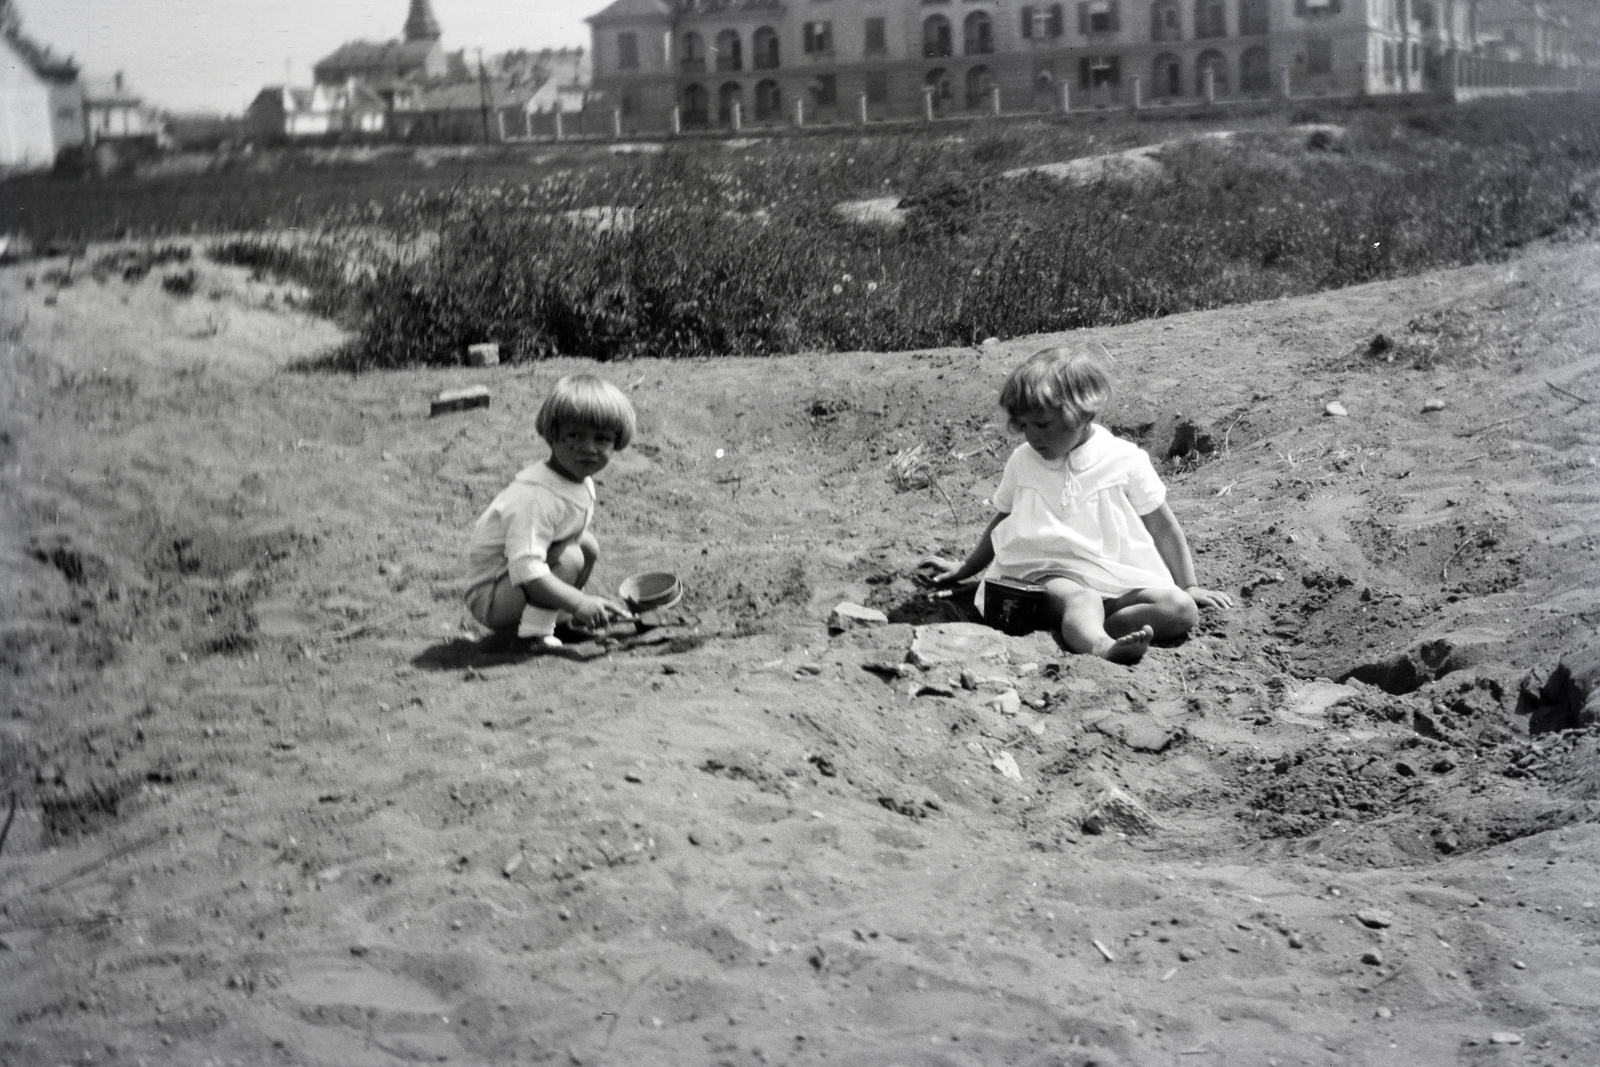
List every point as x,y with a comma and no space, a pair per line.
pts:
420,23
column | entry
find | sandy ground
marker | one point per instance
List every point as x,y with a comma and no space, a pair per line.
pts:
276,803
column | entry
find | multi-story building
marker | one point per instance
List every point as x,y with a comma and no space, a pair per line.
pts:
704,62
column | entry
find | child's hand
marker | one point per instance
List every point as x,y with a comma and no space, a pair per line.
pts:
596,613
937,572
1209,598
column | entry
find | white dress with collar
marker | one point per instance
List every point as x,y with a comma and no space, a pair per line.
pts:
1078,517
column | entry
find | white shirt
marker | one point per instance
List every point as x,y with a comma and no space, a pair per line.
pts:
514,534
1078,517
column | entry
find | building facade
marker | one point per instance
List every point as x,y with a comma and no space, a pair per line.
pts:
708,63
41,106
284,113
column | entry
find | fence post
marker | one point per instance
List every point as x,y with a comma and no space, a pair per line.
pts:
994,99
1135,101
560,132
1286,82
799,111
616,123
1066,97
861,107
738,116
677,120
1208,82
927,102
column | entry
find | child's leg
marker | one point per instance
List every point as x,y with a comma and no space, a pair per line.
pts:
1169,613
500,606
1083,624
569,563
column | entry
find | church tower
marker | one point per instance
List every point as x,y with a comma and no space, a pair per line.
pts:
420,23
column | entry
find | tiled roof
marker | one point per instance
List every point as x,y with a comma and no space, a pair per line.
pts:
98,89
468,96
41,61
378,53
619,10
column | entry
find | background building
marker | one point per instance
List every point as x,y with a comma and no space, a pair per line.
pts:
41,104
837,59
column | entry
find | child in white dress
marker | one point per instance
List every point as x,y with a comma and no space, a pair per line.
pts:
1084,514
531,551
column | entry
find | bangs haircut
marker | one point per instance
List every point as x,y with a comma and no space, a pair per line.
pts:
590,402
1069,380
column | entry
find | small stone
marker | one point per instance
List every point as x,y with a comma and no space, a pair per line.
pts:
1383,1013
1296,941
476,396
850,616
1006,764
1188,955
1007,703
1372,957
1376,918
1115,809
456,925
1519,965
1444,764
1505,1037
1433,404
1335,409
632,776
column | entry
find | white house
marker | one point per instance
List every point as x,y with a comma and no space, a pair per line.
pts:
114,112
41,105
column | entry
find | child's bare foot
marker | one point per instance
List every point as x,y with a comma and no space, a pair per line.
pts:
1129,648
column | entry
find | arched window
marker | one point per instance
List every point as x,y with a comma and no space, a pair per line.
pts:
729,54
1255,73
936,37
769,100
938,80
1165,21
1166,75
694,52
980,83
1254,18
977,34
764,49
727,96
1210,18
696,106
1217,64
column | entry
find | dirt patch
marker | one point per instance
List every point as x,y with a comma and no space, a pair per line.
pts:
277,797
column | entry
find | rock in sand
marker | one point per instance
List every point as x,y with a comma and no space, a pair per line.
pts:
849,616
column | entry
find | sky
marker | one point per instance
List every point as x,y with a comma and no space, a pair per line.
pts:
215,55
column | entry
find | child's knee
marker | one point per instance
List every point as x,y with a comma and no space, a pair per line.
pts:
568,565
1185,613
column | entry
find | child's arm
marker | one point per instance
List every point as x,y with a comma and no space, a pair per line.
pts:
1174,549
548,591
943,572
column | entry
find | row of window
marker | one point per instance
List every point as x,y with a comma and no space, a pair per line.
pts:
978,83
1038,22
